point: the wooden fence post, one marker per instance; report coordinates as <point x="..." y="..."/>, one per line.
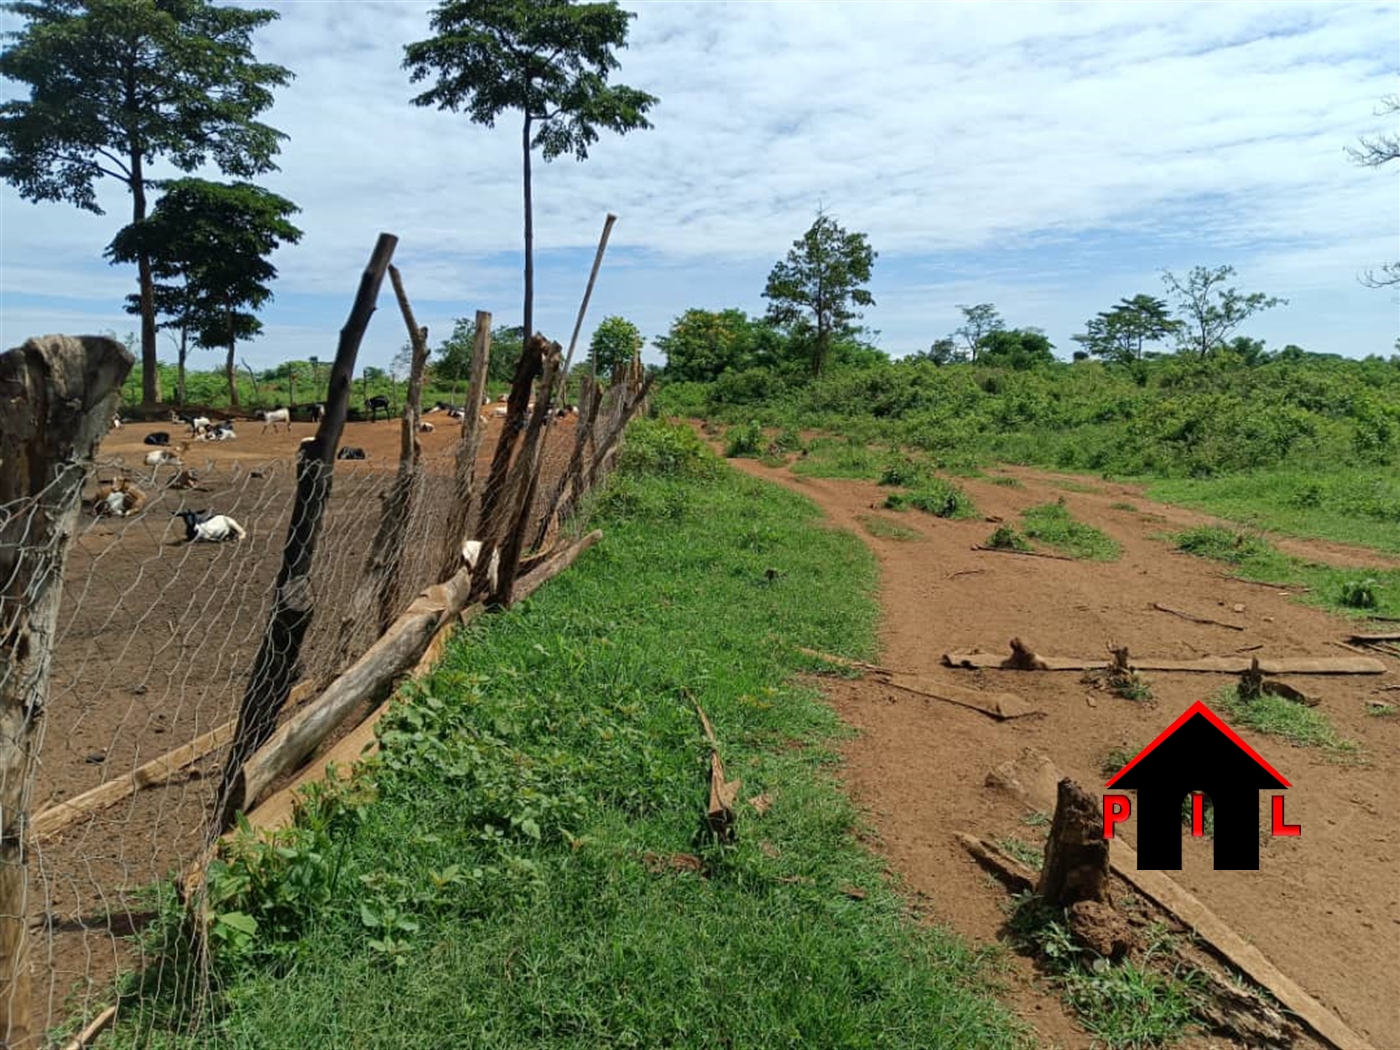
<point x="464" y="492"/>
<point x="57" y="397"/>
<point x="276" y="662"/>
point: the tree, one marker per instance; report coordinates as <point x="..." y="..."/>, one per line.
<point x="704" y="344"/>
<point x="1121" y="334"/>
<point x="941" y="352"/>
<point x="549" y="59"/>
<point x="813" y="290"/>
<point x="1211" y="312"/>
<point x="214" y="239"/>
<point x="454" y="363"/>
<point x="616" y="341"/>
<point x="979" y="322"/>
<point x="116" y="85"/>
<point x="1016" y="348"/>
<point x="1373" y="153"/>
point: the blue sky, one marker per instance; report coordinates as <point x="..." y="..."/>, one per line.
<point x="1050" y="158"/>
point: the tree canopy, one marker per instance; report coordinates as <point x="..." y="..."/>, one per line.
<point x="1121" y="334"/>
<point x="454" y="361"/>
<point x="1211" y="312"/>
<point x="702" y="345"/>
<point x="115" y="85"/>
<point x="547" y="59"/>
<point x="979" y="322"/>
<point x="615" y="342"/>
<point x="208" y="245"/>
<point x="814" y="291"/>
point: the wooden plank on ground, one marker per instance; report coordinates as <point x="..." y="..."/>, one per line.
<point x="1392" y="636"/>
<point x="999" y="705"/>
<point x="1030" y="788"/>
<point x="1212" y="664"/>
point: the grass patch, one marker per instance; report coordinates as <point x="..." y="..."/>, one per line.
<point x="1353" y="591"/>
<point x="1274" y="716"/>
<point x="1005" y="538"/>
<point x="1348" y="505"/>
<point x="1053" y="525"/>
<point x="941" y="498"/>
<point x="1076" y="486"/>
<point x="743" y="440"/>
<point x="1120" y="505"/>
<point x="883" y="528"/>
<point x="1007" y="482"/>
<point x="1380" y="709"/>
<point x="524" y="862"/>
<point x="829" y="457"/>
<point x="1115" y="759"/>
<point x="1031" y="856"/>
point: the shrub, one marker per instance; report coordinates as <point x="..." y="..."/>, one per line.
<point x="744" y="440"/>
<point x="940" y="498"/>
<point x="654" y="447"/>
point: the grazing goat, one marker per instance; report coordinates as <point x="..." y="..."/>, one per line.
<point x="351" y="452"/>
<point x="160" y="437"/>
<point x="200" y="525"/>
<point x="272" y="417"/>
<point x="318" y="412"/>
<point x="120" y="498"/>
<point x="375" y="405"/>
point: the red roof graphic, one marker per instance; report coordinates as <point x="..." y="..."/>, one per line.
<point x="1199" y="708"/>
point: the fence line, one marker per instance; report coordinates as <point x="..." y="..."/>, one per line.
<point x="135" y="766"/>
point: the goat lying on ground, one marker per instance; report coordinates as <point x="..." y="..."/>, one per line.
<point x="120" y="499"/>
<point x="159" y="437"/>
<point x="222" y="431"/>
<point x="272" y="417"/>
<point x="350" y="452"/>
<point x="425" y="428"/>
<point x="116" y="422"/>
<point x="200" y="525"/>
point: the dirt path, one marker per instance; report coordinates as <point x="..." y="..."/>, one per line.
<point x="1324" y="907"/>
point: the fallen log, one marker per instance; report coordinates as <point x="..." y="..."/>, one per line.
<point x="1028" y="785"/>
<point x="158" y="771"/>
<point x="1017" y="876"/>
<point x="1209" y="664"/>
<point x="1195" y="619"/>
<point x="553" y="566"/>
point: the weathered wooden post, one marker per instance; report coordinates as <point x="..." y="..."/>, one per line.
<point x="278" y="655"/>
<point x="1076" y="853"/>
<point x="464" y="492"/>
<point x="57" y="397"/>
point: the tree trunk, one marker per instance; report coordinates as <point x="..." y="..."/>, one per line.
<point x="180" y="368"/>
<point x="59" y="394"/>
<point x="229" y="369"/>
<point x="529" y="329"/>
<point x="1076" y="853"/>
<point x="150" y="376"/>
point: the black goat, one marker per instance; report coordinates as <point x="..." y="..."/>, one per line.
<point x="375" y="405"/>
<point x="351" y="452"/>
<point x="160" y="437"/>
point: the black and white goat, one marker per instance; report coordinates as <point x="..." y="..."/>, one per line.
<point x="375" y="405"/>
<point x="350" y="452"/>
<point x="201" y="526"/>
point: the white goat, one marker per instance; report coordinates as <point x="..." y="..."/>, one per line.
<point x="213" y="529"/>
<point x="271" y="417"/>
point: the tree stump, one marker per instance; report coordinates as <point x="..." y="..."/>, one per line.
<point x="1076" y="853"/>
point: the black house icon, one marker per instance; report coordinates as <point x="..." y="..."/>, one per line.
<point x="1198" y="752"/>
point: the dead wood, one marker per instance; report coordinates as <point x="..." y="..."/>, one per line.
<point x="1076" y="853"/>
<point x="464" y="475"/>
<point x="292" y="609"/>
<point x="94" y="1028"/>
<point x="1018" y="877"/>
<point x="978" y="660"/>
<point x="553" y="566"/>
<point x="1000" y="706"/>
<point x="719" y="814"/>
<point x="1023" y="658"/>
<point x="57" y="396"/>
<point x="1024" y="554"/>
<point x="1195" y="619"/>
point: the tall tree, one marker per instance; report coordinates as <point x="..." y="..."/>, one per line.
<point x="214" y="239"/>
<point x="454" y="361"/>
<point x="814" y="290"/>
<point x="1020" y="349"/>
<point x="615" y="341"/>
<point x="1373" y="153"/>
<point x="549" y="59"/>
<point x="1122" y="334"/>
<point x="1211" y="312"/>
<point x="979" y="322"/>
<point x="115" y="85"/>
<point x="704" y="344"/>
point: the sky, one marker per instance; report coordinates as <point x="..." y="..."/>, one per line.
<point x="1049" y="158"/>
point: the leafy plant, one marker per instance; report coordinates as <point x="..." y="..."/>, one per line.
<point x="745" y="440"/>
<point x="1004" y="537"/>
<point x="936" y="496"/>
<point x="1052" y="523"/>
<point x="1359" y="594"/>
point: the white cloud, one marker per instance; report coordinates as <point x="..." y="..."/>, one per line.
<point x="1059" y="155"/>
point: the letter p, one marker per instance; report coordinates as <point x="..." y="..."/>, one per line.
<point x="1116" y="808"/>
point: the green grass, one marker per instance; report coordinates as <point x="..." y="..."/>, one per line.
<point x="1381" y="709"/>
<point x="1122" y="506"/>
<point x="1007" y="481"/>
<point x="1352" y="505"/>
<point x="1075" y="486"/>
<point x="936" y="496"/>
<point x="1274" y="716"/>
<point x="497" y="876"/>
<point x="1356" y="592"/>
<point x="829" y="457"/>
<point x="1004" y="537"/>
<point x="1053" y="525"/>
<point x="883" y="528"/>
<point x="1029" y="855"/>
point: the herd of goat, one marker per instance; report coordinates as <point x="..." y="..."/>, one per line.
<point x="121" y="498"/>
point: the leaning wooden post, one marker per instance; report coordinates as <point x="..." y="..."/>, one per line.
<point x="561" y="500"/>
<point x="588" y="294"/>
<point x="57" y="397"/>
<point x="292" y="608"/>
<point x="464" y="491"/>
<point x="527" y="370"/>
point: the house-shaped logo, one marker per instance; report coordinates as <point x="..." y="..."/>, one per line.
<point x="1197" y="753"/>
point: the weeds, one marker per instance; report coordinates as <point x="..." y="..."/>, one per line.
<point x="1053" y="525"/>
<point x="938" y="497"/>
<point x="1275" y="716"/>
<point x="1004" y="537"/>
<point x="1031" y="856"/>
<point x="1007" y="481"/>
<point x="883" y="528"/>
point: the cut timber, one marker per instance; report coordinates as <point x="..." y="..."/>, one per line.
<point x="552" y="566"/>
<point x="1000" y="706"/>
<point x="1024" y="554"/>
<point x="1025" y="778"/>
<point x="1366" y="639"/>
<point x="1195" y="619"/>
<point x="1017" y="876"/>
<point x="154" y="773"/>
<point x="1213" y="664"/>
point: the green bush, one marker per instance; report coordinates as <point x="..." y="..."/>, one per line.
<point x="654" y="447"/>
<point x="744" y="440"/>
<point x="936" y="496"/>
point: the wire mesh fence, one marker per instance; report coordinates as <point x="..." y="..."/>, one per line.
<point x="159" y="632"/>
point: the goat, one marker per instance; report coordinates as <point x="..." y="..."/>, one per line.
<point x="425" y="428"/>
<point x="116" y="422"/>
<point x="499" y="410"/>
<point x="351" y="452"/>
<point x="120" y="499"/>
<point x="222" y="431"/>
<point x="183" y="479"/>
<point x="274" y="416"/>
<point x="200" y="525"/>
<point x="375" y="405"/>
<point x="199" y="424"/>
<point x="441" y="406"/>
<point x="318" y="412"/>
<point x="159" y="437"/>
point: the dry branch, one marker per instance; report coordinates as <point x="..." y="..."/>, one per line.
<point x="95" y="1027"/>
<point x="1195" y="619"/>
<point x="1018" y="877"/>
<point x="554" y="565"/>
<point x="1000" y="706"/>
<point x="1024" y="554"/>
<point x="57" y="396"/>
<point x="719" y="814"/>
<point x="588" y="294"/>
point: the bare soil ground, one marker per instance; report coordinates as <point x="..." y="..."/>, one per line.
<point x="156" y="640"/>
<point x="1324" y="907"/>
